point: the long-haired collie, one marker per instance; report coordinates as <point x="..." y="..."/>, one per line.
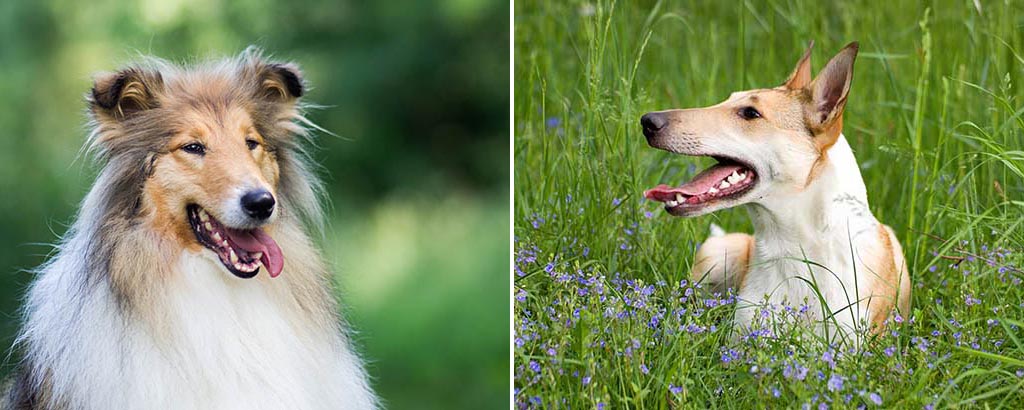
<point x="189" y="279"/>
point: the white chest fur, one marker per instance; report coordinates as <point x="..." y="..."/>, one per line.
<point x="211" y="341"/>
<point x="810" y="249"/>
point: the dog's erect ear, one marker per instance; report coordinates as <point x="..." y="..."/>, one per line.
<point x="830" y="88"/>
<point x="801" y="75"/>
<point x="126" y="92"/>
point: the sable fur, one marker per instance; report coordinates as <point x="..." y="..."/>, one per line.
<point x="129" y="313"/>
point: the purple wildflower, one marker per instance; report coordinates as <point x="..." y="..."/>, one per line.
<point x="827" y="358"/>
<point x="875" y="398"/>
<point x="835" y="383"/>
<point x="728" y="355"/>
<point x="794" y="371"/>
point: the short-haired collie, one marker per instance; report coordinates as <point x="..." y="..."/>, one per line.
<point x="781" y="152"/>
<point x="189" y="279"/>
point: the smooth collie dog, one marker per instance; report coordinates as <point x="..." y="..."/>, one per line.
<point x="781" y="151"/>
<point x="189" y="279"/>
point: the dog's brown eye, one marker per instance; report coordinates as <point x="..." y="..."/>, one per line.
<point x="195" y="148"/>
<point x="252" y="144"/>
<point x="749" y="113"/>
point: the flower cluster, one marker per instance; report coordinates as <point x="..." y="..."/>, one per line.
<point x="598" y="325"/>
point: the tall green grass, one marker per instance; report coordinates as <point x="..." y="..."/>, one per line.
<point x="935" y="117"/>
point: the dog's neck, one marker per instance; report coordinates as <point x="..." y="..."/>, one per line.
<point x="832" y="208"/>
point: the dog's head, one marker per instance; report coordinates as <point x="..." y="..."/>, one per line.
<point x="205" y="142"/>
<point x="767" y="141"/>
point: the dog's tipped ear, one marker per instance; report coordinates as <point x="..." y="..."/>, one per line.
<point x="277" y="82"/>
<point x="119" y="95"/>
<point x="830" y="88"/>
<point x="801" y="75"/>
<point x="282" y="82"/>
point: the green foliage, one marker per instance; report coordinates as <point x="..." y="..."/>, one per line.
<point x="417" y="92"/>
<point x="602" y="312"/>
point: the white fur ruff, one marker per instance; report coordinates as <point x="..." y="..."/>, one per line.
<point x="226" y="343"/>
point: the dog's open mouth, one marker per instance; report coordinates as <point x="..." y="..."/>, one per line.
<point x="242" y="251"/>
<point x="728" y="179"/>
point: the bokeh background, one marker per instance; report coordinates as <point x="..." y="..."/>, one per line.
<point x="417" y="92"/>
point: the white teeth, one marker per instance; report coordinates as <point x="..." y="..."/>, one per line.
<point x="224" y="243"/>
<point x="257" y="255"/>
<point x="734" y="178"/>
<point x="234" y="258"/>
<point x="724" y="185"/>
<point x="671" y="203"/>
<point x="216" y="237"/>
<point x="208" y="226"/>
<point x="679" y="197"/>
<point x="245" y="267"/>
<point x="713" y="190"/>
<point x="203" y="216"/>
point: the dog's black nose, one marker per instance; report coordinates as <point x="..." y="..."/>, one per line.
<point x="653" y="122"/>
<point x="258" y="204"/>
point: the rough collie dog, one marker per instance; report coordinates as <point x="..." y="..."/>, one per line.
<point x="189" y="280"/>
<point x="781" y="152"/>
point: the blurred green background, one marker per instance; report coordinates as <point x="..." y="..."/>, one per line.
<point x="417" y="92"/>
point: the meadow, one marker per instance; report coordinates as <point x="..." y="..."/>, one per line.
<point x="605" y="315"/>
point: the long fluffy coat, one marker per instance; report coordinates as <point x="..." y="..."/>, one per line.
<point x="124" y="316"/>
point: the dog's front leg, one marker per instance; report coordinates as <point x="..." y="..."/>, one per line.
<point x="723" y="260"/>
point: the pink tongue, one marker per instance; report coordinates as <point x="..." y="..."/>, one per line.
<point x="256" y="240"/>
<point x="698" y="185"/>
